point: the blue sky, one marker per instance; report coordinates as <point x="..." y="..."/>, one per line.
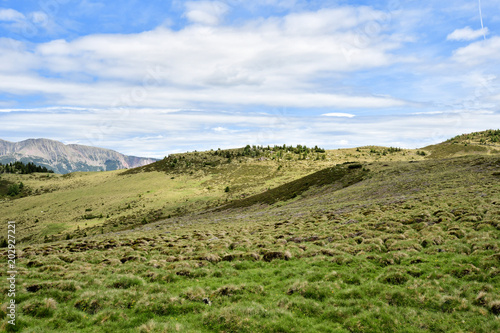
<point x="150" y="78"/>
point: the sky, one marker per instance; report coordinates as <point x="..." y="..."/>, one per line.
<point x="151" y="78"/>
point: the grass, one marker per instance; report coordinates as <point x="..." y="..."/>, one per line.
<point x="121" y="200"/>
<point x="408" y="247"/>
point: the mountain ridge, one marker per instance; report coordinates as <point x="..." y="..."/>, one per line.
<point x="68" y="158"/>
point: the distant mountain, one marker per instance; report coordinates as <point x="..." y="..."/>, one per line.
<point x="67" y="158"/>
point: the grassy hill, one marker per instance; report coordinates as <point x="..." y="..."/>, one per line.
<point x="78" y="204"/>
<point x="397" y="241"/>
<point x="477" y="143"/>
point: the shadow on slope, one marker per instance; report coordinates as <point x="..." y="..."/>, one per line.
<point x="341" y="175"/>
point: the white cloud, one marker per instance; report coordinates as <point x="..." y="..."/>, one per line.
<point x="15" y="58"/>
<point x="272" y="62"/>
<point x="479" y="52"/>
<point x="326" y="21"/>
<point x="116" y="95"/>
<point x="11" y="15"/>
<point x="339" y="114"/>
<point x="206" y="12"/>
<point x="467" y="34"/>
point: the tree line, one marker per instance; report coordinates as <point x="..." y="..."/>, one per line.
<point x="21" y="168"/>
<point x="257" y="151"/>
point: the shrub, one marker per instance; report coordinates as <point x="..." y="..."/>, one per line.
<point x="13" y="190"/>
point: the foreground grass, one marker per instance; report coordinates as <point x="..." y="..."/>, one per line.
<point x="411" y="248"/>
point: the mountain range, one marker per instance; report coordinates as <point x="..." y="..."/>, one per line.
<point x="67" y="158"/>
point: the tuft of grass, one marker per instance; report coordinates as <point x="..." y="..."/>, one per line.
<point x="126" y="282"/>
<point x="40" y="308"/>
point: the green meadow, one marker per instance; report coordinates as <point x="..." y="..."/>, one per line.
<point x="370" y="239"/>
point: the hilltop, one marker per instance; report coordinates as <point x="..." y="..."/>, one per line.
<point x="67" y="158"/>
<point x="369" y="239"/>
<point x="485" y="142"/>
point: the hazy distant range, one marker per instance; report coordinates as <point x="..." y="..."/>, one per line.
<point x="67" y="158"/>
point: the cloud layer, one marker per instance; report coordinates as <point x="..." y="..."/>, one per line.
<point x="273" y="62"/>
<point x="157" y="132"/>
<point x="227" y="73"/>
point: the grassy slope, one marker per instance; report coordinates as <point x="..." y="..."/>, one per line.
<point x="126" y="199"/>
<point x="340" y="175"/>
<point x="477" y="143"/>
<point x="413" y="247"/>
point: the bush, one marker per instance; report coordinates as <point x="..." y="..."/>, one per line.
<point x="13" y="190"/>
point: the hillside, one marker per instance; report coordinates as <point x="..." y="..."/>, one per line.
<point x="67" y="158"/>
<point x="61" y="206"/>
<point x="371" y="239"/>
<point x="478" y="143"/>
